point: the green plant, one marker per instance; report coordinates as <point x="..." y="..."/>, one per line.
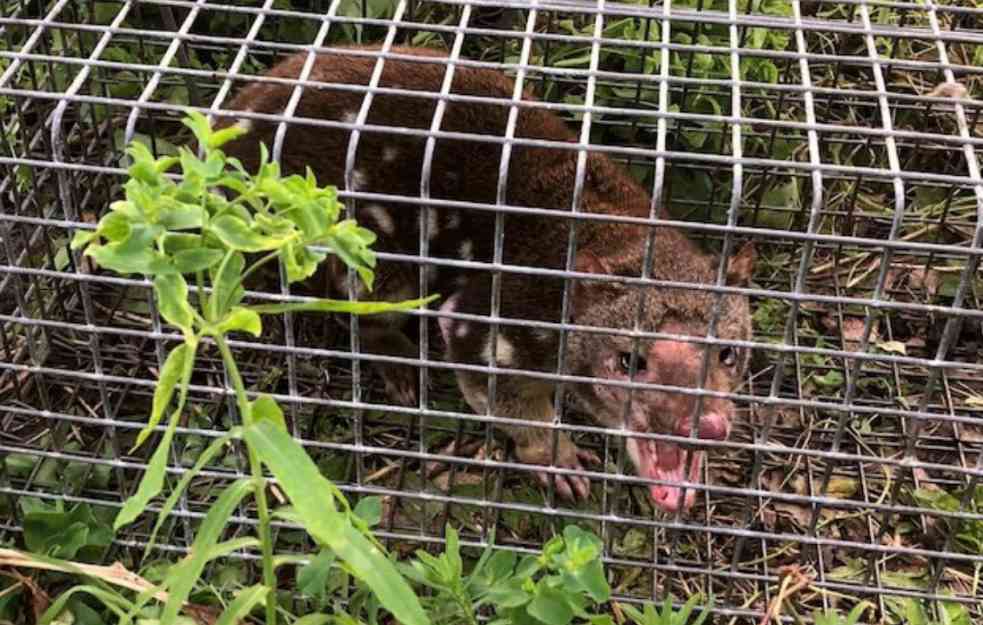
<point x="834" y="618"/>
<point x="565" y="582"/>
<point x="166" y="230"/>
<point x="651" y="616"/>
<point x="967" y="532"/>
<point x="950" y="613"/>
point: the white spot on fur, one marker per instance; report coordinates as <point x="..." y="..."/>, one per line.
<point x="454" y="221"/>
<point x="349" y="117"/>
<point x="466" y="251"/>
<point x="462" y="330"/>
<point x="382" y="218"/>
<point x="245" y="123"/>
<point x="359" y="180"/>
<point x="504" y="352"/>
<point x="389" y="154"/>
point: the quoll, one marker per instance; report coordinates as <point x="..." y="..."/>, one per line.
<point x="541" y="177"/>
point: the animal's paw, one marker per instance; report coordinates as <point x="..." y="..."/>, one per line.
<point x="568" y="456"/>
<point x="401" y="381"/>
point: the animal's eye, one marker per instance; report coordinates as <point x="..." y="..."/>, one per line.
<point x="728" y="356"/>
<point x="624" y="361"/>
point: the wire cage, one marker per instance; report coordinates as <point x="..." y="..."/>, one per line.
<point x="843" y="137"/>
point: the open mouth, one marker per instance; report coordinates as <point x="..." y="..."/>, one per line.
<point x="667" y="462"/>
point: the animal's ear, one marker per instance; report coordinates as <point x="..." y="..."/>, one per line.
<point x="583" y="293"/>
<point x="741" y="266"/>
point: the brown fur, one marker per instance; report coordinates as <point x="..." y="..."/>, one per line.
<point x="538" y="177"/>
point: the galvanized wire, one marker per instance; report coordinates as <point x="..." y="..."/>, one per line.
<point x="872" y="273"/>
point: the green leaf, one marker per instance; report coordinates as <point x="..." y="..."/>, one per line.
<point x="115" y="227"/>
<point x="314" y="619"/>
<point x="343" y="306"/>
<point x="112" y="600"/>
<point x="176" y="215"/>
<point x="170" y="374"/>
<point x="199" y="125"/>
<point x="172" y="299"/>
<point x="351" y="243"/>
<point x="242" y="605"/>
<point x="182" y="577"/>
<point x="369" y="509"/>
<point x="241" y="320"/>
<point x="134" y="255"/>
<point x="312" y="579"/>
<point x="310" y="494"/>
<point x="143" y="168"/>
<point x="237" y="235"/>
<point x="226" y="284"/>
<point x="204" y="458"/>
<point x="83" y="238"/>
<point x="219" y="138"/>
<point x="51" y="531"/>
<point x="453" y="553"/>
<point x="197" y="259"/>
<point x="153" y="479"/>
<point x="265" y="408"/>
<point x="550" y="606"/>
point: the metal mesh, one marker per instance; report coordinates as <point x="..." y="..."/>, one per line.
<point x="831" y="133"/>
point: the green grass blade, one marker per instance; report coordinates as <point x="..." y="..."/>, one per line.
<point x="182" y="577"/>
<point x="153" y="479"/>
<point x="203" y="459"/>
<point x="111" y="600"/>
<point x="308" y="490"/>
<point x="244" y="602"/>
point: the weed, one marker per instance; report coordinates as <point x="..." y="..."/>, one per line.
<point x="166" y="230"/>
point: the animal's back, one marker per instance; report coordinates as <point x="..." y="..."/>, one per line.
<point x="392" y="163"/>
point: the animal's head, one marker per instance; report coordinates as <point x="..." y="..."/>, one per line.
<point x="670" y="362"/>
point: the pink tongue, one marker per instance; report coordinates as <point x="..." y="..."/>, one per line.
<point x="668" y="466"/>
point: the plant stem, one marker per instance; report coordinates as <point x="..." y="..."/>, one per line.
<point x="265" y="535"/>
<point x="259" y="263"/>
<point x="466" y="606"/>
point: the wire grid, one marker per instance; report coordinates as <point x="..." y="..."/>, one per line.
<point x="841" y="147"/>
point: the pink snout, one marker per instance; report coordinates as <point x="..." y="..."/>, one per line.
<point x="713" y="426"/>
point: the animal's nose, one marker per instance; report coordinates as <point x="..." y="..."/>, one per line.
<point x="712" y="426"/>
<point x="674" y="362"/>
